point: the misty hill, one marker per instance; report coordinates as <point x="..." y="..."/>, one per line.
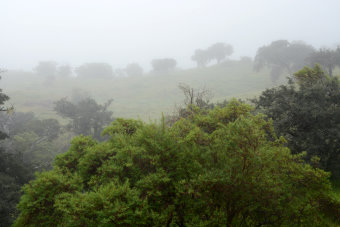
<point x="144" y="96"/>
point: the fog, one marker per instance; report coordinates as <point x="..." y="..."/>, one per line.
<point x="122" y="32"/>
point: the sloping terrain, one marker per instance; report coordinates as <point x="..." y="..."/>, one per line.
<point x="143" y="97"/>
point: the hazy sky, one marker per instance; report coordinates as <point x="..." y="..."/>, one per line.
<point x="126" y="31"/>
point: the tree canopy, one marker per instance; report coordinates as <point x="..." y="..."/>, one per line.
<point x="217" y="51"/>
<point x="282" y="56"/>
<point x="87" y="116"/>
<point x="220" y="167"/>
<point x="306" y="112"/>
<point x="327" y="58"/>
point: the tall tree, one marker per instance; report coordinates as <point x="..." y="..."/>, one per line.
<point x="219" y="51"/>
<point x="282" y="56"/>
<point x="201" y="57"/>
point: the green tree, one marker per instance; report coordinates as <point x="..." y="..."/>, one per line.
<point x="87" y="116"/>
<point x="306" y="112"/>
<point x="220" y="167"/>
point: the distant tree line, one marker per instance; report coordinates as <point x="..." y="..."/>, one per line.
<point x="280" y="56"/>
<point x="283" y="56"/>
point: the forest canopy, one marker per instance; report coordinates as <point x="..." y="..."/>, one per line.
<point x="216" y="167"/>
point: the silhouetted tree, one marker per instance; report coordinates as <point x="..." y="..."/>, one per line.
<point x="327" y="58"/>
<point x="281" y="56"/>
<point x="87" y="117"/>
<point x="95" y="71"/>
<point x="201" y="57"/>
<point x="219" y="51"/>
<point x="163" y="65"/>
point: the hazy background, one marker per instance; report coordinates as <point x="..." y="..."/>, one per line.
<point x="121" y="32"/>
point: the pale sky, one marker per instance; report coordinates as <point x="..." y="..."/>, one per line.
<point x="126" y="31"/>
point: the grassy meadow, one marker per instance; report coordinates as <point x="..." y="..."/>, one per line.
<point x="144" y="97"/>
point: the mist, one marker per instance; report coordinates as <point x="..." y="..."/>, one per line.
<point x="123" y="32"/>
<point x="169" y="113"/>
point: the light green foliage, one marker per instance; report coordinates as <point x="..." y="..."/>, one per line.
<point x="220" y="167"/>
<point x="309" y="76"/>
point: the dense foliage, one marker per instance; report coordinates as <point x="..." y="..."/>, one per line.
<point x="215" y="167"/>
<point x="307" y="113"/>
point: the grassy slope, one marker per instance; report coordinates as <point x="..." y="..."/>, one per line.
<point x="144" y="97"/>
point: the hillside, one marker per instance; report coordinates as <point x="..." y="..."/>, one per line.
<point x="142" y="97"/>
